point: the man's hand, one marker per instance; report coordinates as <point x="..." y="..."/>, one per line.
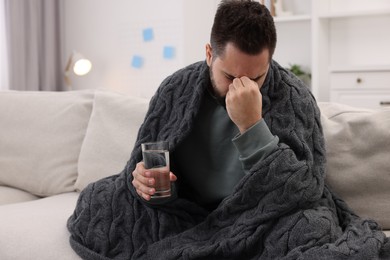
<point x="144" y="182"/>
<point x="244" y="103"/>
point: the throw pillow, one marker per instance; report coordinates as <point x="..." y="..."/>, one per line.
<point x="358" y="158"/>
<point x="110" y="137"/>
<point x="40" y="139"/>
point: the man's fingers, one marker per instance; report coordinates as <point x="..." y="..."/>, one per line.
<point x="245" y="81"/>
<point x="143" y="195"/>
<point x="142" y="182"/>
<point x="237" y="83"/>
<point x="140" y="187"/>
<point x="145" y="180"/>
<point x="172" y="177"/>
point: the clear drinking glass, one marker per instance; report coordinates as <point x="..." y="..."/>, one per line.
<point x="156" y="159"/>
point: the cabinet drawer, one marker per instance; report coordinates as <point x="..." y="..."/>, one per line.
<point x="365" y="99"/>
<point x="360" y="80"/>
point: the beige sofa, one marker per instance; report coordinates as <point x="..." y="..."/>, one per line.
<point x="52" y="144"/>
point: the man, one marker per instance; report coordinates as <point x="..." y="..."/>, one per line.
<point x="248" y="165"/>
<point x="239" y="57"/>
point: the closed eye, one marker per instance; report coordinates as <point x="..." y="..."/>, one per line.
<point x="258" y="78"/>
<point x="229" y="77"/>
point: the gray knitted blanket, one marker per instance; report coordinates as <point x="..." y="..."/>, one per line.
<point x="281" y="210"/>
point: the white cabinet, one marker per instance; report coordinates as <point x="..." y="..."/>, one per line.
<point x="362" y="98"/>
<point x="367" y="88"/>
<point x="360" y="80"/>
<point x="345" y="44"/>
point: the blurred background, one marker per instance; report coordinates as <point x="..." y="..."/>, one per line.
<point x="340" y="48"/>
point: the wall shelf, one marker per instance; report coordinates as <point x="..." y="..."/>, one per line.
<point x="351" y="14"/>
<point x="372" y="68"/>
<point x="292" y="18"/>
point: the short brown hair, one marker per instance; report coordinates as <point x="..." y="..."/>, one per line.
<point x="245" y="23"/>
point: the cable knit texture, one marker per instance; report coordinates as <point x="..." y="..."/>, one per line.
<point x="281" y="210"/>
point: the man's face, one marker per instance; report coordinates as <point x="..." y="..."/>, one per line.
<point x="234" y="63"/>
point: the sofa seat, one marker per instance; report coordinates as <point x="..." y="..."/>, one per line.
<point x="11" y="195"/>
<point x="43" y="222"/>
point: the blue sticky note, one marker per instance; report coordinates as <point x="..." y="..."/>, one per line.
<point x="137" y="62"/>
<point x="148" y="34"/>
<point x="169" y="52"/>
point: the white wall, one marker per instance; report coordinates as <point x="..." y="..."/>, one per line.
<point x="199" y="17"/>
<point x="110" y="33"/>
<point x="293" y="47"/>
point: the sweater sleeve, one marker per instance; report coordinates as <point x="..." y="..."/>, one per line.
<point x="255" y="144"/>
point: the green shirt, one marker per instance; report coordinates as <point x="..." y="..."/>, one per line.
<point x="214" y="156"/>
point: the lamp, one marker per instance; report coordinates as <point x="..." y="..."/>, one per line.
<point x="80" y="66"/>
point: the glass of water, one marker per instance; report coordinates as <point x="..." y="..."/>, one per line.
<point x="156" y="160"/>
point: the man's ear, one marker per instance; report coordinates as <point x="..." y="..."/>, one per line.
<point x="209" y="54"/>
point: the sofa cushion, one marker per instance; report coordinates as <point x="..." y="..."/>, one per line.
<point x="110" y="137"/>
<point x="37" y="229"/>
<point x="40" y="139"/>
<point x="358" y="154"/>
<point x="10" y="195"/>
